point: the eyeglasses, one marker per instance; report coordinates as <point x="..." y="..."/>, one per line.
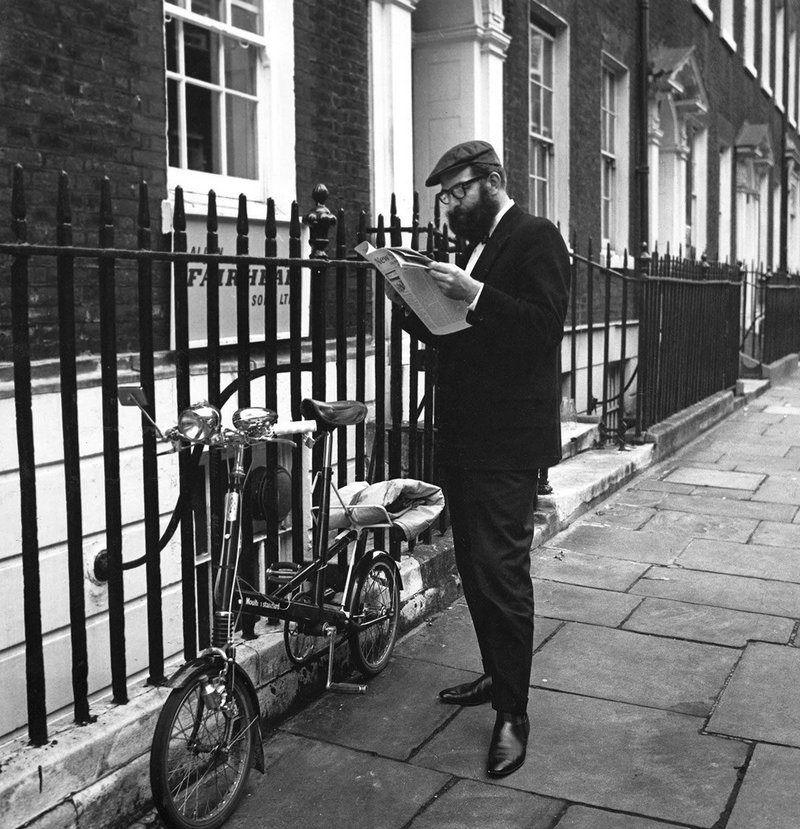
<point x="457" y="191"/>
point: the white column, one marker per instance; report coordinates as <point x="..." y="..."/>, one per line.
<point x="390" y="102"/>
<point x="458" y="82"/>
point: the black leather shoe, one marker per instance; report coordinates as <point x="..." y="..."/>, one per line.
<point x="470" y="693"/>
<point x="509" y="743"/>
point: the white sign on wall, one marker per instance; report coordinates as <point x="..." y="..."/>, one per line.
<point x="197" y="285"/>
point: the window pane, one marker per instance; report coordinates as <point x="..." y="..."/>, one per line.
<point x="202" y="138"/>
<point x="547" y="63"/>
<point x="536" y="109"/>
<point x="173" y="125"/>
<point x="172" y="46"/>
<point x="246" y="16"/>
<point x="242" y="137"/>
<point x="240" y="66"/>
<point x="200" y="52"/>
<point x="547" y="112"/>
<point x="215" y="9"/>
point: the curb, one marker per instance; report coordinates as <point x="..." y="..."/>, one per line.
<point x="98" y="775"/>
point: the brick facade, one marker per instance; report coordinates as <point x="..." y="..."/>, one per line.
<point x="83" y="92"/>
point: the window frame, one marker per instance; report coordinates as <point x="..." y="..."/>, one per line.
<point x="749" y="31"/>
<point x="727" y="23"/>
<point x="766" y="60"/>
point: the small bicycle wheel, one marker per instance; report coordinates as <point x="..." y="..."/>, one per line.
<point x="301" y="647"/>
<point x="374" y="613"/>
<point x="202" y="754"/>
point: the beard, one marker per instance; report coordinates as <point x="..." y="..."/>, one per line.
<point x="474" y="223"/>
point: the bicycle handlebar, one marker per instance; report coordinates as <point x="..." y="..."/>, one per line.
<point x="294" y="427"/>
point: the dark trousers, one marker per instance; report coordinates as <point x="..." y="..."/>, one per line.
<point x="491" y="512"/>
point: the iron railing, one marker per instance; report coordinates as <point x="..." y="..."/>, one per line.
<point x="645" y="337"/>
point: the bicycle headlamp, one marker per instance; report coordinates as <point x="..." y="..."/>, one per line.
<point x="254" y="420"/>
<point x="199" y="421"/>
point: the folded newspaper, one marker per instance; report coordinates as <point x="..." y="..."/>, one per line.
<point x="406" y="270"/>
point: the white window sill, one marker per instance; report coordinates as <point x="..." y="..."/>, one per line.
<point x="750" y="69"/>
<point x="727" y="39"/>
<point x="703" y="7"/>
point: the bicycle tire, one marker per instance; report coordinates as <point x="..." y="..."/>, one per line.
<point x="374" y="613"/>
<point x="198" y="765"/>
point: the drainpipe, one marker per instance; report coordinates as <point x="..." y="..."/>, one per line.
<point x="783" y="242"/>
<point x="642" y="166"/>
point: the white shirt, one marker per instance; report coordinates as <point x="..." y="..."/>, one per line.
<point x="478" y="250"/>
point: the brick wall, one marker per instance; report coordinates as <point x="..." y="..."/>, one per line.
<point x="332" y="103"/>
<point x="82" y="91"/>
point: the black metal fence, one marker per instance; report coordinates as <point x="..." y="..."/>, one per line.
<point x="683" y="323"/>
<point x="689" y="334"/>
<point x="770" y="314"/>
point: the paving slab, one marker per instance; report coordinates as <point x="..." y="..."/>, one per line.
<point x="616" y="513"/>
<point x="571" y="602"/>
<point x="778" y="534"/>
<point x="632" y="667"/>
<point x="784" y="489"/>
<point x="470" y="803"/>
<point x="714" y="477"/>
<point x="785" y="410"/>
<point x="656" y="485"/>
<point x="686" y="525"/>
<point x="768" y="796"/>
<point x="757" y="560"/>
<point x="639" y="497"/>
<point x="406" y="692"/>
<point x="765" y="465"/>
<point x="724" y="494"/>
<point x="310" y="784"/>
<point x="581" y="568"/>
<point x="762" y="699"/>
<point x="584" y="817"/>
<point x="603" y="754"/>
<point x="772" y="598"/>
<point x="701" y="623"/>
<point x="632" y="545"/>
<point x="449" y="639"/>
<point x="705" y="504"/>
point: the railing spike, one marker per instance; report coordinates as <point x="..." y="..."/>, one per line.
<point x="63" y="209"/>
<point x="18" y="209"/>
<point x="106" y="209"/>
<point x="179" y="214"/>
<point x="212" y="224"/>
<point x="143" y="217"/>
<point x="242" y="223"/>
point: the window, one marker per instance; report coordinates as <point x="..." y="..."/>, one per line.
<point x="766" y="45"/>
<point x="726" y="22"/>
<point x="608" y="154"/>
<point x="214" y="55"/>
<point x="750" y="35"/>
<point x="231" y="101"/>
<point x="540" y="172"/>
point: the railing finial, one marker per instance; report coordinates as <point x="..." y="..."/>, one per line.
<point x="319" y="220"/>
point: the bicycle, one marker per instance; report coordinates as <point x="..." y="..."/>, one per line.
<point x="208" y="734"/>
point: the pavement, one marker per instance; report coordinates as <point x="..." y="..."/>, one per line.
<point x="665" y="687"/>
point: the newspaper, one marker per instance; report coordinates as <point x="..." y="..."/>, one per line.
<point x="406" y="270"/>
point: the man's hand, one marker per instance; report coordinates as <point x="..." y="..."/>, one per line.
<point x="453" y="282"/>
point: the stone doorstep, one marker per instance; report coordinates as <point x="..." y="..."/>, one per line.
<point x="99" y="769"/>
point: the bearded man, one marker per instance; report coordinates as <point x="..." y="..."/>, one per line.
<point x="497" y="404"/>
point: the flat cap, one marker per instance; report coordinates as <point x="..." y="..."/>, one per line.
<point x="470" y="152"/>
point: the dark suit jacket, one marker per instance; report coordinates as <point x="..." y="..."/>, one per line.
<point x="498" y="388"/>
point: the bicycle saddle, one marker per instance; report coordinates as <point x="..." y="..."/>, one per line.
<point x="331" y="415"/>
